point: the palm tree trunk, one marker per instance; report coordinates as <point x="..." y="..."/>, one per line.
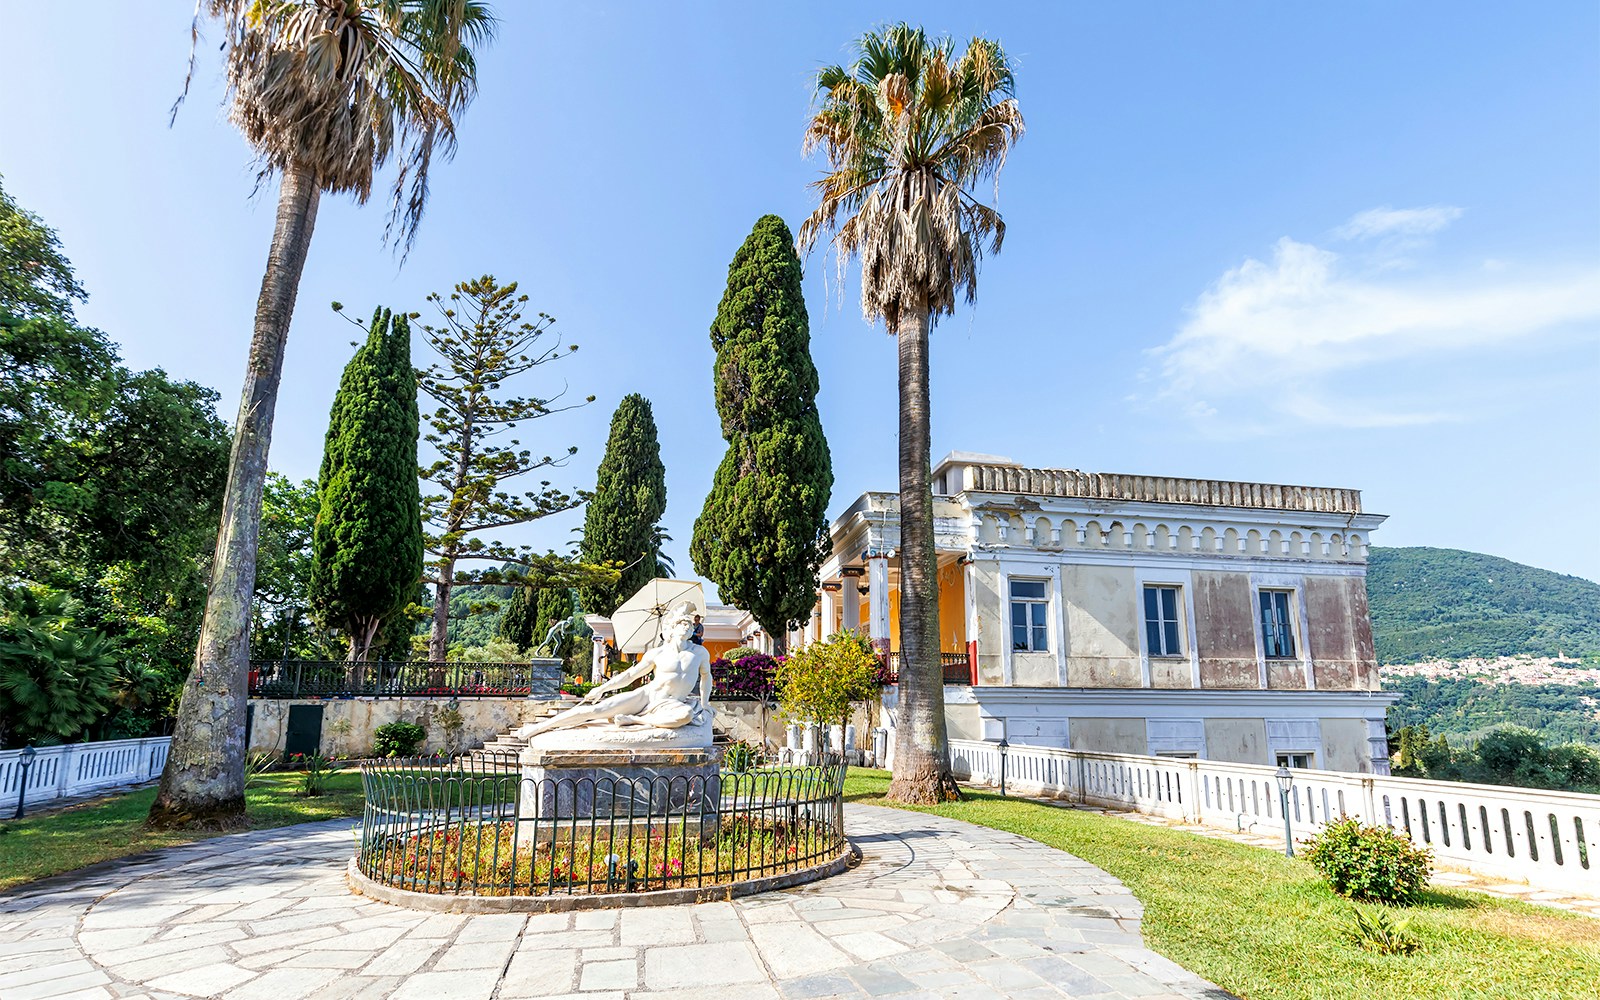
<point x="921" y="747"/>
<point x="203" y="782"/>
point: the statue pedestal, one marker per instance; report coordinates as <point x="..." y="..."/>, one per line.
<point x="618" y="788"/>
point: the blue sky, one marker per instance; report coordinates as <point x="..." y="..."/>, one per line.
<point x="1353" y="245"/>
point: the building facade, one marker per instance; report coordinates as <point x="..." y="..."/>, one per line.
<point x="1134" y="614"/>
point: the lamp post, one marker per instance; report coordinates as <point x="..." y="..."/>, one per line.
<point x="24" y="761"/>
<point x="1003" y="745"/>
<point x="1285" y="782"/>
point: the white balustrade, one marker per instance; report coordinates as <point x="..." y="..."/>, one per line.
<point x="1544" y="838"/>
<point x="62" y="771"/>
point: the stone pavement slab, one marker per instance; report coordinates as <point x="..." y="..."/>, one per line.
<point x="938" y="908"/>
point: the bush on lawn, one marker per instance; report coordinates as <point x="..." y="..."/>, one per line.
<point x="397" y="739"/>
<point x="1369" y="864"/>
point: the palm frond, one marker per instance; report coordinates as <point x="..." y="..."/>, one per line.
<point x="345" y="87"/>
<point x="908" y="130"/>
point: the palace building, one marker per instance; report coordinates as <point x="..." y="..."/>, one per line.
<point x="1133" y="614"/>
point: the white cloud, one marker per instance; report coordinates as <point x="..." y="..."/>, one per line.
<point x="1303" y="338"/>
<point x="1404" y="222"/>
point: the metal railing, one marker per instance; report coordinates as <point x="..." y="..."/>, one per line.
<point x="957" y="668"/>
<point x="475" y="827"/>
<point x="1546" y="838"/>
<point x="407" y="679"/>
<point x="61" y="771"/>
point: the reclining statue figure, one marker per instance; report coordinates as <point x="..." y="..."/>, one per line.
<point x="679" y="694"/>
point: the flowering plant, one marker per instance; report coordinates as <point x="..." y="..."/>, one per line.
<point x="747" y="678"/>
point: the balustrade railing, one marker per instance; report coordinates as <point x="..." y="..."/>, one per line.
<point x="957" y="668"/>
<point x="408" y="679"/>
<point x="1545" y="838"/>
<point x="76" y="768"/>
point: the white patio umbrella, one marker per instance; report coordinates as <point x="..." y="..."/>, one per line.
<point x="638" y="620"/>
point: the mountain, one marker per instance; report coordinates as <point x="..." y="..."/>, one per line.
<point x="1432" y="604"/>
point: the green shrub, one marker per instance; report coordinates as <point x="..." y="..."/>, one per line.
<point x="1369" y="864"/>
<point x="577" y="686"/>
<point x="397" y="739"/>
<point x="738" y="653"/>
<point x="740" y="758"/>
<point x="315" y="771"/>
<point x="1377" y="931"/>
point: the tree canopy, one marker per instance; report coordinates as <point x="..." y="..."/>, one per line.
<point x="621" y="525"/>
<point x="483" y="342"/>
<point x="763" y="532"/>
<point x="110" y="481"/>
<point x="36" y="278"/>
<point x="367" y="542"/>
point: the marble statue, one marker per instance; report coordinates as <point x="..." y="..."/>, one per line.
<point x="554" y="637"/>
<point x="672" y="710"/>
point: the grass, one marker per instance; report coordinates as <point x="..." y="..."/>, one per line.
<point x="1267" y="927"/>
<point x="113" y="827"/>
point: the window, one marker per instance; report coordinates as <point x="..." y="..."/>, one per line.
<point x="1029" y="603"/>
<point x="1277" y="630"/>
<point x="1161" y="621"/>
<point x="1297" y="761"/>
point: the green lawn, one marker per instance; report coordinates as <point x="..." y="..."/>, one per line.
<point x="1267" y="928"/>
<point x="114" y="827"/>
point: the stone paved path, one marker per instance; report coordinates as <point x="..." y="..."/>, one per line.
<point x="938" y="908"/>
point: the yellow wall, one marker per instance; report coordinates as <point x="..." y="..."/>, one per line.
<point x="952" y="612"/>
<point x="894" y="618"/>
<point x="952" y="609"/>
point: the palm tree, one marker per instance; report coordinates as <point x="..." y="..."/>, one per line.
<point x="909" y="129"/>
<point x="327" y="92"/>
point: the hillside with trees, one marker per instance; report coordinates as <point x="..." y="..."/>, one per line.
<point x="1432" y="604"/>
<point x="1484" y="630"/>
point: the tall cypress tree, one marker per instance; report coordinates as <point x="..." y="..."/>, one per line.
<point x="530" y="613"/>
<point x="517" y="624"/>
<point x="764" y="531"/>
<point x="630" y="495"/>
<point x="366" y="546"/>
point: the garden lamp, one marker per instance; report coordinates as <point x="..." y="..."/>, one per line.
<point x="1285" y="783"/>
<point x="24" y="761"/>
<point x="1003" y="745"/>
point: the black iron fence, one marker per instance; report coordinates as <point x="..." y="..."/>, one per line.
<point x="474" y="827"/>
<point x="957" y="668"/>
<point x="396" y="679"/>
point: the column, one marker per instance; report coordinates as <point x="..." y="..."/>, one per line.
<point x="969" y="589"/>
<point x="597" y="664"/>
<point x="878" y="596"/>
<point x="851" y="596"/>
<point x="830" y="613"/>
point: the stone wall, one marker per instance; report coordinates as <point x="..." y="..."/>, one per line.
<point x="482" y="718"/>
<point x="750" y="721"/>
